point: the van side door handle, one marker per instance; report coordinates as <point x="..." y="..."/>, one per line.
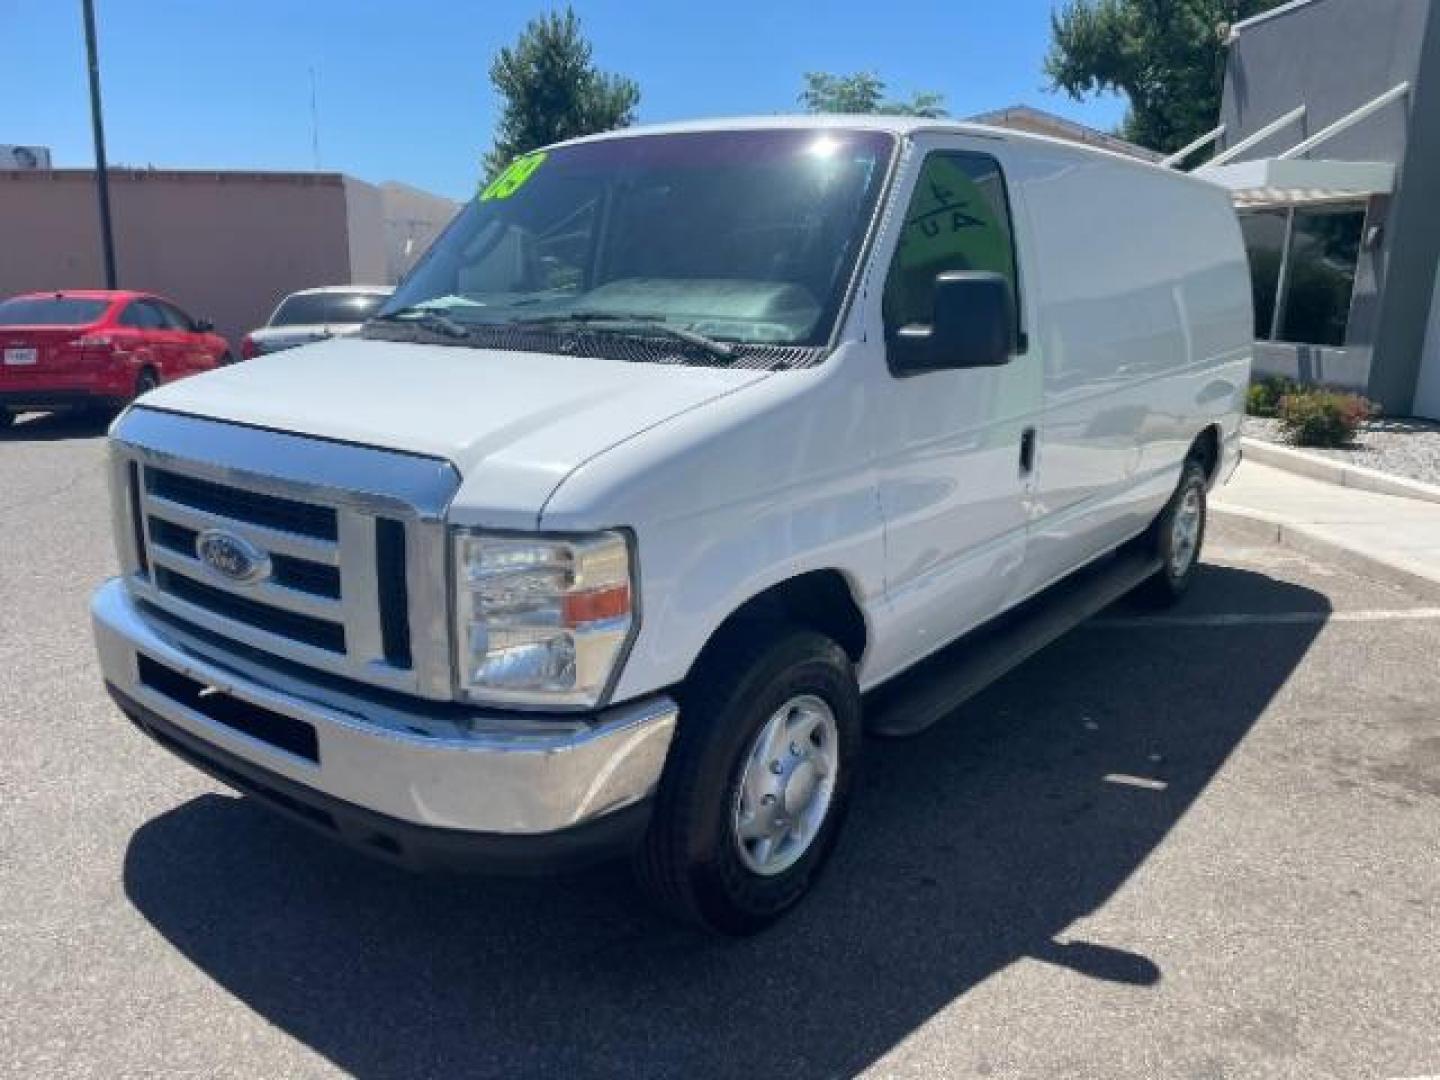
<point x="1027" y="451"/>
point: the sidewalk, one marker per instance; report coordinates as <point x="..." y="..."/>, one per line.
<point x="1383" y="535"/>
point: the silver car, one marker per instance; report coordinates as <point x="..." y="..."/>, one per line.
<point x="314" y="315"/>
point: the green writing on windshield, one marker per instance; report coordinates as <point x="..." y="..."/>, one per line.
<point x="513" y="178"/>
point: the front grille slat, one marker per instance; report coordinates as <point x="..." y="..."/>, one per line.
<point x="302" y="575"/>
<point x="307" y="629"/>
<point x="390" y="570"/>
<point x="241" y="504"/>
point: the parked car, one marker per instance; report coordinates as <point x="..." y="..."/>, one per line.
<point x="96" y="349"/>
<point x="314" y="315"/>
<point x="660" y="480"/>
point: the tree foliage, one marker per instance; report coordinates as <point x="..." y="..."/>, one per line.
<point x="863" y="92"/>
<point x="552" y="91"/>
<point x="1166" y="56"/>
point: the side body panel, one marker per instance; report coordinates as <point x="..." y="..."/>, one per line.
<point x="1144" y="335"/>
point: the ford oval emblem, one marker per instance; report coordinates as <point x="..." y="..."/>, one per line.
<point x="232" y="557"/>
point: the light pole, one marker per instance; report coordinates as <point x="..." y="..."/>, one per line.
<point x="102" y="177"/>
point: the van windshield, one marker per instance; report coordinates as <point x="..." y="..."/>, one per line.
<point x="745" y="237"/>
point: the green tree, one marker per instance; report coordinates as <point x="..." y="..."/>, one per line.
<point x="1166" y="56"/>
<point x="552" y="91"/>
<point x="863" y="92"/>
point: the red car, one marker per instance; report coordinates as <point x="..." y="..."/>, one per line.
<point x="97" y="349"/>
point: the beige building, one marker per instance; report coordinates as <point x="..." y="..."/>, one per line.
<point x="224" y="245"/>
<point x="1040" y="122"/>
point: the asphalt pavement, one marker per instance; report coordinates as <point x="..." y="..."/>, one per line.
<point x="1201" y="846"/>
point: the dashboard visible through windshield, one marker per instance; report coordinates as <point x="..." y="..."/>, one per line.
<point x="726" y="237"/>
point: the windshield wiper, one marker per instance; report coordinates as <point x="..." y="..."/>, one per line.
<point x="426" y="318"/>
<point x="643" y="324"/>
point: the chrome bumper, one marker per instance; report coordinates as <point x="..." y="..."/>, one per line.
<point x="423" y="763"/>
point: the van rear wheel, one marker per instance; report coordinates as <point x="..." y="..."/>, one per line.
<point x="757" y="782"/>
<point x="1176" y="537"/>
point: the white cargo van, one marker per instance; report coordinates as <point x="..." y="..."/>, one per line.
<point x="686" y="455"/>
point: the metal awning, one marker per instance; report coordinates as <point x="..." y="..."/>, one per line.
<point x="1299" y="181"/>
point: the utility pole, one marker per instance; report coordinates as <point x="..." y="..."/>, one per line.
<point x="102" y="176"/>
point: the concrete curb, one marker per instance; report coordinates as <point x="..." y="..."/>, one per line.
<point x="1255" y="527"/>
<point x="1336" y="472"/>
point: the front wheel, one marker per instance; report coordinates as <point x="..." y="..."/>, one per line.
<point x="757" y="782"/>
<point x="1176" y="537"/>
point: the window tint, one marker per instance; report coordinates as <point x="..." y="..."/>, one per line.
<point x="1324" y="248"/>
<point x="1264" y="232"/>
<point x="958" y="219"/>
<point x="142" y="316"/>
<point x="746" y="236"/>
<point x="51" y="311"/>
<point x="338" y="307"/>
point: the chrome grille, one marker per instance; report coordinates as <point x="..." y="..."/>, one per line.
<point x="356" y="575"/>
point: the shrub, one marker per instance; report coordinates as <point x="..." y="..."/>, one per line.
<point x="1318" y="417"/>
<point x="1263" y="396"/>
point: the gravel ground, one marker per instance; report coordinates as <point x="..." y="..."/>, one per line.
<point x="1409" y="448"/>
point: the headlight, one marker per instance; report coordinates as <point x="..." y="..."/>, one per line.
<point x="541" y="621"/>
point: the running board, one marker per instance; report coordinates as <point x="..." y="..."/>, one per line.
<point x="940" y="684"/>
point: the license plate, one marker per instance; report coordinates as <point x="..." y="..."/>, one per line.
<point x="20" y="357"/>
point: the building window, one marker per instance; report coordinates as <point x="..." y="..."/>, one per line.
<point x="1303" y="295"/>
<point x="1264" y="232"/>
<point x="1324" y="248"/>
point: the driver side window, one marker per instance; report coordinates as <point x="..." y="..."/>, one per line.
<point x="958" y="219"/>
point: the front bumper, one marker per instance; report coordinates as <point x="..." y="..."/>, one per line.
<point x="419" y="781"/>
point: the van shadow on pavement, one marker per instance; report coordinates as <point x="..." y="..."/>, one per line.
<point x="56" y="426"/>
<point x="968" y="848"/>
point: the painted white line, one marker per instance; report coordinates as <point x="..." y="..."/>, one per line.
<point x="1135" y="781"/>
<point x="1277" y="618"/>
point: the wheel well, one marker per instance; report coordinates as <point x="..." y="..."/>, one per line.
<point x="1206" y="450"/>
<point x="820" y="600"/>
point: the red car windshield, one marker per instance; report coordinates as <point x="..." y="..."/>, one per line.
<point x="51" y="311"/>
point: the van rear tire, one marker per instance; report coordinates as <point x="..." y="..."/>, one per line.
<point x="757" y="781"/>
<point x="1177" y="537"/>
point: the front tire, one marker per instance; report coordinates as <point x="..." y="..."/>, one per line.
<point x="757" y="782"/>
<point x="1177" y="537"/>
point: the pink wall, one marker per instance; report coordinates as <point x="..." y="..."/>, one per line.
<point x="224" y="246"/>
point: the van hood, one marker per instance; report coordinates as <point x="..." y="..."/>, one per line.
<point x="515" y="424"/>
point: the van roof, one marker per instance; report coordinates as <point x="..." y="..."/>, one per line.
<point x="896" y="125"/>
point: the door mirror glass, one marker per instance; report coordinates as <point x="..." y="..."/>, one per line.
<point x="972" y="326"/>
<point x="203" y="326"/>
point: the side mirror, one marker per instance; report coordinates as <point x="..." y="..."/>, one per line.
<point x="973" y="326"/>
<point x="203" y="326"/>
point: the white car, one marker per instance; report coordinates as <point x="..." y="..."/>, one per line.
<point x="313" y="315"/>
<point x="676" y="443"/>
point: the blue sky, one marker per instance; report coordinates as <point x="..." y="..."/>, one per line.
<point x="403" y="91"/>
